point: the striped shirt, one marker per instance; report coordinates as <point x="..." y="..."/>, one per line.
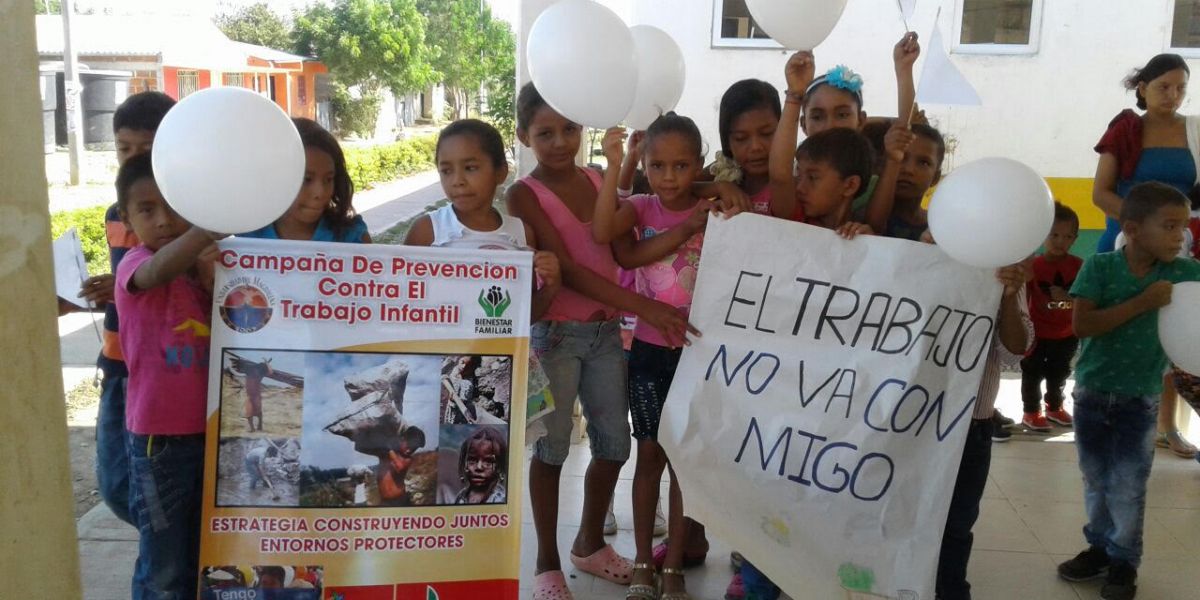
<point x="120" y="240"/>
<point x="998" y="358"/>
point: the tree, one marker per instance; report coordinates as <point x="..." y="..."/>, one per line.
<point x="373" y="44"/>
<point x="468" y="47"/>
<point x="47" y="7"/>
<point x="256" y="24"/>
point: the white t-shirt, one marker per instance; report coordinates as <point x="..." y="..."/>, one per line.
<point x="448" y="232"/>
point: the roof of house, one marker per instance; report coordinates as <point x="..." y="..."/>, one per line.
<point x="178" y="41"/>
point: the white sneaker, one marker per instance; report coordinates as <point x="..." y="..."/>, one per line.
<point x="660" y="521"/>
<point x="610" y="521"/>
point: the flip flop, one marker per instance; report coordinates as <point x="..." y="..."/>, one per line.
<point x="645" y="591"/>
<point x="551" y="585"/>
<point x="606" y="564"/>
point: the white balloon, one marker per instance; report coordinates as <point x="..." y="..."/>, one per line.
<point x="661" y="74"/>
<point x="991" y="212"/>
<point x="797" y="24"/>
<point x="1179" y="327"/>
<point x="581" y="60"/>
<point x="228" y="160"/>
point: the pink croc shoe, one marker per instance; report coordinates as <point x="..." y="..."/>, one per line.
<point x="551" y="585"/>
<point x="606" y="564"/>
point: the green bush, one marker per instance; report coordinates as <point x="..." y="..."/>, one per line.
<point x="89" y="222"/>
<point x="374" y="164"/>
<point x="355" y="115"/>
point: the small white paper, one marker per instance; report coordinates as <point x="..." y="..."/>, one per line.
<point x="941" y="81"/>
<point x="70" y="268"/>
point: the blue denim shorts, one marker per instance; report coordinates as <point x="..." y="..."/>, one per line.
<point x="583" y="360"/>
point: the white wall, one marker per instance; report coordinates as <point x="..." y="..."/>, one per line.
<point x="1047" y="109"/>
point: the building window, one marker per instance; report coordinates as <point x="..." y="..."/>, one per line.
<point x="998" y="26"/>
<point x="1185" y="27"/>
<point x="233" y="80"/>
<point x="143" y="81"/>
<point x="187" y="82"/>
<point x="733" y="27"/>
<point x="302" y="89"/>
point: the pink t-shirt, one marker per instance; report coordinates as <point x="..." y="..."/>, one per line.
<point x="761" y="202"/>
<point x="165" y="340"/>
<point x="672" y="278"/>
<point x="569" y="305"/>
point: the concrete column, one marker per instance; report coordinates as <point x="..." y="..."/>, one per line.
<point x="528" y="13"/>
<point x="37" y="539"/>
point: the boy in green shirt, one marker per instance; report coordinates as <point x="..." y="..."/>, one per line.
<point x="1118" y="380"/>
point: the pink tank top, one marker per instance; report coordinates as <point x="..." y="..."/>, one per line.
<point x="569" y="305"/>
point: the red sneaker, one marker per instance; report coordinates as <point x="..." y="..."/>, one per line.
<point x="1060" y="416"/>
<point x="1034" y="421"/>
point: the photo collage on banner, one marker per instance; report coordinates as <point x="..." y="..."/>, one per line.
<point x="362" y="400"/>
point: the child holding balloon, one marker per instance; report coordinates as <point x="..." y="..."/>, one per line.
<point x="578" y="343"/>
<point x="323" y="209"/>
<point x="670" y="223"/>
<point x="1119" y="379"/>
<point x="163" y="293"/>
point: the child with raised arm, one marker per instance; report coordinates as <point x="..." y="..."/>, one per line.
<point x="163" y="292"/>
<point x="579" y="344"/>
<point x="1049" y="292"/>
<point x="670" y="224"/>
<point x="1119" y="378"/>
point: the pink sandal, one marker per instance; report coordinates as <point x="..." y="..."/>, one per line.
<point x="606" y="564"/>
<point x="551" y="585"/>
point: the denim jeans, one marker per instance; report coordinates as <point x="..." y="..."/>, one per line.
<point x="584" y="360"/>
<point x="167" y="476"/>
<point x="964" y="511"/>
<point x="112" y="452"/>
<point x="1114" y="436"/>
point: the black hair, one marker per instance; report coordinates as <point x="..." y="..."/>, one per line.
<point x="1194" y="196"/>
<point x="490" y="435"/>
<point x="1157" y="67"/>
<point x="135" y="169"/>
<point x="932" y="134"/>
<point x="1064" y="214"/>
<point x="340" y="212"/>
<point x="673" y="123"/>
<point x="488" y="138"/>
<point x="742" y="97"/>
<point x="529" y="101"/>
<point x="276" y="572"/>
<point x="142" y="111"/>
<point x="1145" y="199"/>
<point x="415" y="438"/>
<point x="272" y="450"/>
<point x="846" y="150"/>
<point x="875" y="129"/>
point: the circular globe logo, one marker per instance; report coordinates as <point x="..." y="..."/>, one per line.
<point x="246" y="309"/>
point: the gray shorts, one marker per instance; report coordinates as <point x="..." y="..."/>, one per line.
<point x="584" y="360"/>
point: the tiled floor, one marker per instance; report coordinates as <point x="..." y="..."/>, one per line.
<point x="1031" y="517"/>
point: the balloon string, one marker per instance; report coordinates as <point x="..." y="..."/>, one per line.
<point x="904" y="18"/>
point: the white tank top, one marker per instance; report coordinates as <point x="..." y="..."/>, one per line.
<point x="448" y="232"/>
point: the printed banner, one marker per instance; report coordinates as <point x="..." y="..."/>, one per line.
<point x="366" y="422"/>
<point x="818" y="424"/>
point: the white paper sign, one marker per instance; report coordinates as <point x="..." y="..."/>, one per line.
<point x="818" y="424"/>
<point x="70" y="268"/>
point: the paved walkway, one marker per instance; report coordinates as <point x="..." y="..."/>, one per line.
<point x="385" y="206"/>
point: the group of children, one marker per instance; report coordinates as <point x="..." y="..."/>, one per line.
<point x="850" y="174"/>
